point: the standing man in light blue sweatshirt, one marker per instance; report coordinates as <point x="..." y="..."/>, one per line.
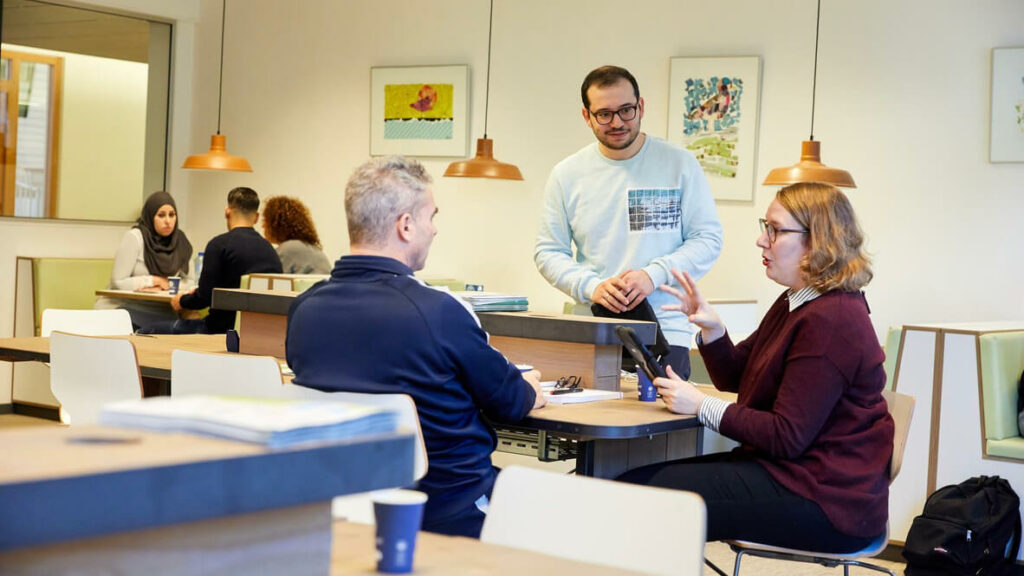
<point x="634" y="206"/>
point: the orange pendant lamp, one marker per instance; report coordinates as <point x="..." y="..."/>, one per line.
<point x="810" y="168"/>
<point x="218" y="158"/>
<point x="483" y="165"/>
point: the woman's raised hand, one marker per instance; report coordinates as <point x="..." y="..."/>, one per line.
<point x="695" y="307"/>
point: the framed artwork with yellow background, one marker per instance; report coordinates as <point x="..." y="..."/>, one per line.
<point x="419" y="110"/>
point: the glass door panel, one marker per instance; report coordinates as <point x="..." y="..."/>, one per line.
<point x="30" y="100"/>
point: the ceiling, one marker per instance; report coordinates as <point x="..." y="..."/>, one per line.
<point x="77" y="30"/>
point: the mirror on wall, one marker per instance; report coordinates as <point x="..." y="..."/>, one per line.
<point x="83" y="111"/>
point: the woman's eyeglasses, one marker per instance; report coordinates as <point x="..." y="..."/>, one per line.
<point x="773" y="232"/>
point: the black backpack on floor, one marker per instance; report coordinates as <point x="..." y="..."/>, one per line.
<point x="967" y="528"/>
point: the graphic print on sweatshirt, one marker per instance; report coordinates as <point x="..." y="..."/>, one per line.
<point x="654" y="210"/>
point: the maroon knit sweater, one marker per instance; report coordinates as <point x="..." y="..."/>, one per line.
<point x="810" y="407"/>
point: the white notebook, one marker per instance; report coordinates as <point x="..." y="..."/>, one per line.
<point x="587" y="395"/>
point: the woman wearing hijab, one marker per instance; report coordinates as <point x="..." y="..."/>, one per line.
<point x="153" y="250"/>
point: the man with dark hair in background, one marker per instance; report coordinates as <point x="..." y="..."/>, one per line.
<point x="240" y="250"/>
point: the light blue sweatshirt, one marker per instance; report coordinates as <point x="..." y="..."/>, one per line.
<point x="652" y="212"/>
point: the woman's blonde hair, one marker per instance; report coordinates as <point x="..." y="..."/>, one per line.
<point x="835" y="258"/>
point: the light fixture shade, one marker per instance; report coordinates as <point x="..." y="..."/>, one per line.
<point x="483" y="165"/>
<point x="217" y="158"/>
<point x="809" y="169"/>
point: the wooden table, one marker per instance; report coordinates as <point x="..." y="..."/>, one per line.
<point x="613" y="435"/>
<point x="617" y="435"/>
<point x="154" y="353"/>
<point x="161" y="296"/>
<point x="354" y="552"/>
<point x="79" y="500"/>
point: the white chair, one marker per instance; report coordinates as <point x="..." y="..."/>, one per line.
<point x="901" y="407"/>
<point x="87" y="322"/>
<point x="651" y="530"/>
<point x="358" y="508"/>
<point x="260" y="377"/>
<point x="86" y="372"/>
<point x="225" y="375"/>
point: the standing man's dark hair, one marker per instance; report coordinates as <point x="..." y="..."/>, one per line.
<point x="245" y="200"/>
<point x="606" y="76"/>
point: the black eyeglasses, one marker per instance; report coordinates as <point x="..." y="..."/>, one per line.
<point x="604" y="117"/>
<point x="568" y="382"/>
<point x="774" y="232"/>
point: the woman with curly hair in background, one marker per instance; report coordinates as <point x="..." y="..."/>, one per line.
<point x="287" y="223"/>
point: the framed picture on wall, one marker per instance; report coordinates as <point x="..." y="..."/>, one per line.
<point x="1007" y="133"/>
<point x="419" y="111"/>
<point x="713" y="108"/>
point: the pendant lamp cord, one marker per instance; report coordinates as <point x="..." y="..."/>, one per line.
<point x="220" y="83"/>
<point x="487" y="94"/>
<point x="814" y="84"/>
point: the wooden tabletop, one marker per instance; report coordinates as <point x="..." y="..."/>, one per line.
<point x="607" y="419"/>
<point x="154" y="351"/>
<point x="627" y="417"/>
<point x="159" y="296"/>
<point x="354" y="552"/>
<point x="99" y="480"/>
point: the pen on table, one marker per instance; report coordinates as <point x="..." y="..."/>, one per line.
<point x="565" y="390"/>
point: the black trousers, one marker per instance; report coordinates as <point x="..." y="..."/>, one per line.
<point x="745" y="503"/>
<point x="678" y="358"/>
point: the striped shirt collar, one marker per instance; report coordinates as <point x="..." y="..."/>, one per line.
<point x="798" y="298"/>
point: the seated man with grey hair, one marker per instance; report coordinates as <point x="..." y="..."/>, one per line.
<point x="374" y="327"/>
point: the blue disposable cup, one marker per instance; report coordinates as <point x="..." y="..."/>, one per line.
<point x="173" y="284"/>
<point x="399" y="514"/>
<point x="646" y="392"/>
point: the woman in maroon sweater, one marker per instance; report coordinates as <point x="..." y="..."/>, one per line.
<point x="815" y="435"/>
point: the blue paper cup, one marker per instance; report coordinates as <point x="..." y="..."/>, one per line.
<point x="399" y="514"/>
<point x="646" y="392"/>
<point x="173" y="284"/>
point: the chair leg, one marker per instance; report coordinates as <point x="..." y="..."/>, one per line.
<point x="736" y="566"/>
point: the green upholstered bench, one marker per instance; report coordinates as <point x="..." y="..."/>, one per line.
<point x="1002" y="360"/>
<point x="65" y="283"/>
<point x="892" y="353"/>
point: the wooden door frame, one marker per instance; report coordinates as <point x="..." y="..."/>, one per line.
<point x="9" y="158"/>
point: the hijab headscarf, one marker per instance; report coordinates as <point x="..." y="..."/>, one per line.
<point x="164" y="255"/>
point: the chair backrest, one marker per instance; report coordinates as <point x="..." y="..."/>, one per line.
<point x="225" y="375"/>
<point x="87" y="322"/>
<point x="403" y="404"/>
<point x="901" y="408"/>
<point x="86" y="372"/>
<point x="651" y="530"/>
<point x="1002" y="360"/>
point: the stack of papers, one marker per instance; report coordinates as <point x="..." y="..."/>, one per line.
<point x="269" y="421"/>
<point x="493" y="301"/>
<point x="585" y="395"/>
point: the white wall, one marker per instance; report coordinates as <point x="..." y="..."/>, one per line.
<point x="903" y="99"/>
<point x="104" y="110"/>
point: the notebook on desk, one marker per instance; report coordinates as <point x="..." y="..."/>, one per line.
<point x="584" y="395"/>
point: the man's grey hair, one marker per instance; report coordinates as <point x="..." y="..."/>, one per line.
<point x="380" y="191"/>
